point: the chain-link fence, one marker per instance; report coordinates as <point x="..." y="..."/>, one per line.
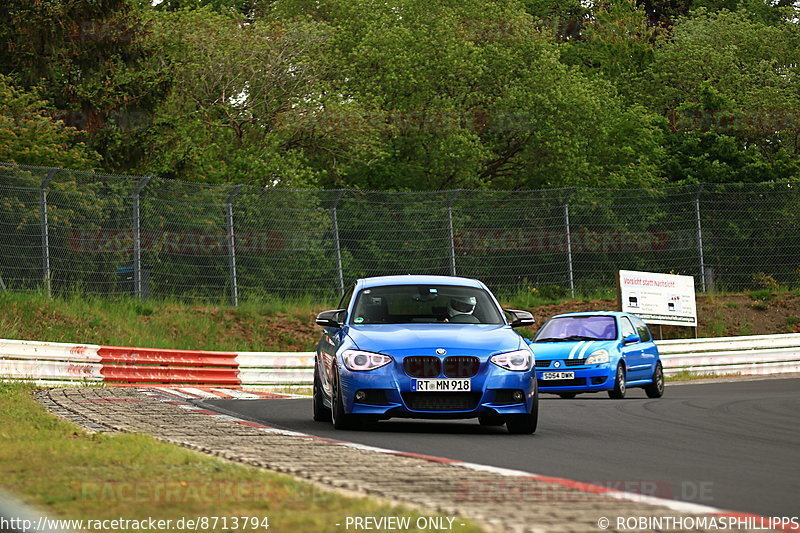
<point x="83" y="231"/>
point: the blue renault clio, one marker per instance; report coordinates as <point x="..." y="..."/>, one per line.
<point x="591" y="352"/>
<point x="424" y="347"/>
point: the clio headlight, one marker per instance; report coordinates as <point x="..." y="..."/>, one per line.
<point x="598" y="357"/>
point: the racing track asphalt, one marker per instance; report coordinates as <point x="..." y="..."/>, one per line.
<point x="732" y="445"/>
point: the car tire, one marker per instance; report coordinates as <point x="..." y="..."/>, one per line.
<point x="568" y="395"/>
<point x="618" y="392"/>
<point x="524" y="424"/>
<point x="491" y="420"/>
<point x="321" y="413"/>
<point x="656" y="388"/>
<point x="341" y="420"/>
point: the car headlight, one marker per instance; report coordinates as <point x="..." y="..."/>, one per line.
<point x="598" y="357"/>
<point x="359" y="361"/>
<point x="518" y="360"/>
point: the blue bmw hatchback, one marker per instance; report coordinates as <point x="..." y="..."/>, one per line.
<point x="424" y="347"/>
<point x="590" y="352"/>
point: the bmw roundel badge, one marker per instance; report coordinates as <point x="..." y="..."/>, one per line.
<point x="441" y="351"/>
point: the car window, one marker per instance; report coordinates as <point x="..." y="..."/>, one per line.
<point x="404" y="304"/>
<point x="575" y="328"/>
<point x="642" y="329"/>
<point x="344" y="301"/>
<point x="627" y="327"/>
<point x="346" y="298"/>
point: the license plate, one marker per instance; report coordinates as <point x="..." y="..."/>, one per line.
<point x="558" y="375"/>
<point x="441" y="385"/>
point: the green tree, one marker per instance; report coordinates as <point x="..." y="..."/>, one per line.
<point x="619" y="42"/>
<point x="472" y="94"/>
<point x="30" y="136"/>
<point x="665" y="12"/>
<point x="224" y="118"/>
<point x="750" y="63"/>
<point x="731" y="89"/>
<point x="563" y="20"/>
<point x="93" y="62"/>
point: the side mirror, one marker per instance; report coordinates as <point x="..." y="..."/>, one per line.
<point x="631" y="339"/>
<point x="520" y="319"/>
<point x="330" y="319"/>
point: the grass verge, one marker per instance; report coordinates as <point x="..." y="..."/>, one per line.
<point x="270" y="325"/>
<point x="274" y="324"/>
<point x="59" y="469"/>
<point x="685" y="375"/>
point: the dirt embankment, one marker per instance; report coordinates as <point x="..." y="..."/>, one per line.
<point x="271" y="327"/>
<point x="759" y="313"/>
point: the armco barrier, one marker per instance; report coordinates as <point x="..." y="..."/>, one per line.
<point x="60" y="363"/>
<point x="751" y="355"/>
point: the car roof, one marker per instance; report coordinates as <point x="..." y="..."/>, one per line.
<point x="411" y="279"/>
<point x="593" y="313"/>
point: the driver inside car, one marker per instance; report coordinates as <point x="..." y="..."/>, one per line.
<point x="461" y="309"/>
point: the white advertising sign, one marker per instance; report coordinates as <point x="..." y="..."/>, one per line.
<point x="658" y="298"/>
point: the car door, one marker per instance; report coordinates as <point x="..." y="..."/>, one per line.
<point x="649" y="348"/>
<point x="329" y="344"/>
<point x="631" y="353"/>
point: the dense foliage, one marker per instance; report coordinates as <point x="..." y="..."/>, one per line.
<point x="406" y="94"/>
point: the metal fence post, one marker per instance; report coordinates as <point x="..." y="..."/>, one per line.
<point x="336" y="245"/>
<point x="569" y="243"/>
<point x="700" y="238"/>
<point x="137" y="237"/>
<point x="452" y="233"/>
<point x="46" y="231"/>
<point x="232" y="245"/>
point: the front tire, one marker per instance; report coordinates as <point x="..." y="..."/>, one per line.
<point x="341" y="420"/>
<point x="524" y="424"/>
<point x="656" y="388"/>
<point x="618" y="392"/>
<point x="321" y="413"/>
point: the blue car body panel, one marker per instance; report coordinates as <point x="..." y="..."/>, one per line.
<point x="421" y="339"/>
<point x="639" y="359"/>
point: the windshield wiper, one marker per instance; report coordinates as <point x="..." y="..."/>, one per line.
<point x="568" y="339"/>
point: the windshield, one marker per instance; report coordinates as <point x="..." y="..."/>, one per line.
<point x="404" y="304"/>
<point x="578" y="328"/>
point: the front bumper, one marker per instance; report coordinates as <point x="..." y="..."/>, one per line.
<point x="590" y="378"/>
<point x="398" y="400"/>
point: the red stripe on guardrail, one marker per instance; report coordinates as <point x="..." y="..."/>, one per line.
<point x="125" y="365"/>
<point x="170" y="374"/>
<point x="149" y="356"/>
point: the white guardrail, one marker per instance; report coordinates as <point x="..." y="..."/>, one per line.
<point x="61" y="363"/>
<point x="751" y="355"/>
